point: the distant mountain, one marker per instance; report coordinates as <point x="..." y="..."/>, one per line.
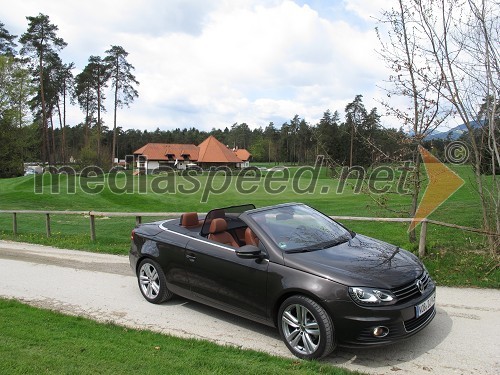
<point x="453" y="133"/>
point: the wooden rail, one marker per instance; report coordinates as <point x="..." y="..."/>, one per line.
<point x="139" y="215"/>
<point x="90" y="214"/>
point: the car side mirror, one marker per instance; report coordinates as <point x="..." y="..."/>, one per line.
<point x="249" y="252"/>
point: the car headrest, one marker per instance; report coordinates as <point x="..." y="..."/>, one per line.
<point x="218" y="225"/>
<point x="190" y="219"/>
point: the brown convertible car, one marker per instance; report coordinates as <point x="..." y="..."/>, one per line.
<point x="288" y="266"/>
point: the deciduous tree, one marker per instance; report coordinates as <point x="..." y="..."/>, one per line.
<point x="415" y="79"/>
<point x="446" y="53"/>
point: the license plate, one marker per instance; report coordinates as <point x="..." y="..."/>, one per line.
<point x="426" y="305"/>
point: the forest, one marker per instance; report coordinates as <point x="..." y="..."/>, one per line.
<point x="37" y="88"/>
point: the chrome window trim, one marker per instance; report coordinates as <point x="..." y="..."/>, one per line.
<point x="229" y="248"/>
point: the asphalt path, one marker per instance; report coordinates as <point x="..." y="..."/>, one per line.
<point x="463" y="338"/>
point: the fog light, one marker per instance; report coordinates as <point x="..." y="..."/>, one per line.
<point x="380" y="331"/>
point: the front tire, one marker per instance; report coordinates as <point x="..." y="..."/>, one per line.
<point x="306" y="328"/>
<point x="152" y="282"/>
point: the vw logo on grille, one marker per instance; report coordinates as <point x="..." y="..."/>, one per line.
<point x="420" y="286"/>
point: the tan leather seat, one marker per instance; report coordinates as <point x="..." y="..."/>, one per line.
<point x="190" y="220"/>
<point x="251" y="238"/>
<point x="239" y="233"/>
<point x="217" y="232"/>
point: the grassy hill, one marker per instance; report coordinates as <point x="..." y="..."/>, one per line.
<point x="454" y="257"/>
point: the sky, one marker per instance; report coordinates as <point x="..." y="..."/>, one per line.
<point x="212" y="63"/>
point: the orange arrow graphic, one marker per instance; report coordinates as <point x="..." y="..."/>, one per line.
<point x="443" y="182"/>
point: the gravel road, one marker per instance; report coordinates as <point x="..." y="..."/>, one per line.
<point x="462" y="339"/>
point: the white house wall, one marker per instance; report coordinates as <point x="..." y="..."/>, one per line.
<point x="152" y="164"/>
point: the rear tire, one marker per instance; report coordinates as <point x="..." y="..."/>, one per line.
<point x="306" y="328"/>
<point x="152" y="282"/>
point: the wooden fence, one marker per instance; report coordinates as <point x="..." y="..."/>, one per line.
<point x="139" y="215"/>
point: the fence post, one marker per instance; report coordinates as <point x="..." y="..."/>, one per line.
<point x="423" y="236"/>
<point x="92" y="228"/>
<point x="14" y="223"/>
<point x="47" y="224"/>
<point x="138" y="220"/>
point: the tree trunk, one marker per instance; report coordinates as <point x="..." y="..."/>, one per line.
<point x="87" y="121"/>
<point x="20" y="116"/>
<point x="99" y="122"/>
<point x="53" y="139"/>
<point x="45" y="133"/>
<point x="412" y="236"/>
<point x="62" y="132"/>
<point x="63" y="145"/>
<point x="352" y="145"/>
<point x="113" y="153"/>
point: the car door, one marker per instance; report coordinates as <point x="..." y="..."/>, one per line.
<point x="173" y="261"/>
<point x="217" y="275"/>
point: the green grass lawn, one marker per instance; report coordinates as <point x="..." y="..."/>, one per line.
<point x="63" y="344"/>
<point x="36" y="341"/>
<point x="454" y="257"/>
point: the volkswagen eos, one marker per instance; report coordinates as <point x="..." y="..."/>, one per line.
<point x="288" y="266"/>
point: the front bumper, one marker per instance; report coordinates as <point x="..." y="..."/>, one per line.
<point x="354" y="324"/>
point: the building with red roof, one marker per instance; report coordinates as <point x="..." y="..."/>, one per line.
<point x="245" y="156"/>
<point x="209" y="153"/>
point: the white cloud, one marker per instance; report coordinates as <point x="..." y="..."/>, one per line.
<point x="368" y="10"/>
<point x="213" y="63"/>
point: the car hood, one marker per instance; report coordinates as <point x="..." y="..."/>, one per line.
<point x="362" y="261"/>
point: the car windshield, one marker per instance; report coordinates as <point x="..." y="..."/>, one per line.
<point x="300" y="228"/>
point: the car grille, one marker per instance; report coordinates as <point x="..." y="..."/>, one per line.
<point x="395" y="329"/>
<point x="410" y="291"/>
<point x="415" y="323"/>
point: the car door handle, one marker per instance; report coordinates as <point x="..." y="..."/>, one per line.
<point x="191" y="257"/>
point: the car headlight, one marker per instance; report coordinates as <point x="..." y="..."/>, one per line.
<point x="371" y="296"/>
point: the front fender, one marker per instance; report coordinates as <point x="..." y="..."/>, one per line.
<point x="284" y="282"/>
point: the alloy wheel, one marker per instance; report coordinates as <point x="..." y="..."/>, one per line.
<point x="300" y="328"/>
<point x="149" y="280"/>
